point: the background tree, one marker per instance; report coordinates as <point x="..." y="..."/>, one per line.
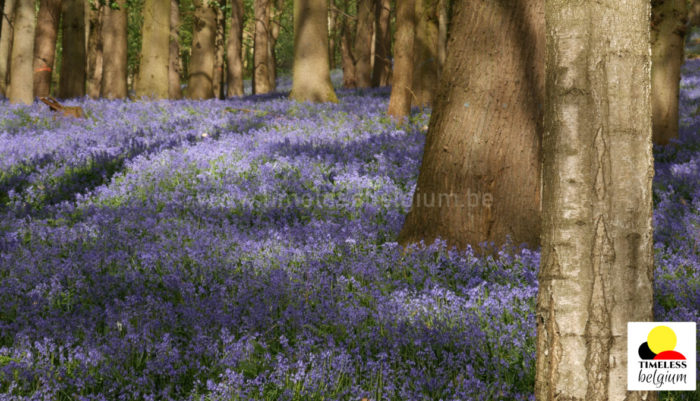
<point x="45" y="45"/>
<point x="276" y="9"/>
<point x="114" y="68"/>
<point x="6" y="44"/>
<point x="219" y="45"/>
<point x="596" y="265"/>
<point x="261" y="76"/>
<point x="480" y="176"/>
<point x="311" y="80"/>
<point x="668" y="28"/>
<point x="94" y="48"/>
<point x="201" y="67"/>
<point x="73" y="45"/>
<point x="21" y="76"/>
<point x="425" y="53"/>
<point x="234" y="59"/>
<point x="363" y="38"/>
<point x="152" y="79"/>
<point x="174" y="60"/>
<point x="346" y="46"/>
<point x="400" y="100"/>
<point x="381" y="70"/>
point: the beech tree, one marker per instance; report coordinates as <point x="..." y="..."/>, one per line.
<point x="668" y="27"/>
<point x="363" y="38"/>
<point x="480" y="175"/>
<point x="6" y="44"/>
<point x="311" y="78"/>
<point x="346" y="46"/>
<point x="21" y="76"/>
<point x="45" y="45"/>
<point x="219" y="43"/>
<point x="234" y="58"/>
<point x="400" y="100"/>
<point x="114" y="50"/>
<point x="74" y="50"/>
<point x="596" y="265"/>
<point x="152" y="79"/>
<point x="201" y="67"/>
<point x="425" y="52"/>
<point x="94" y="52"/>
<point x="174" y="61"/>
<point x="381" y="70"/>
<point x="261" y="64"/>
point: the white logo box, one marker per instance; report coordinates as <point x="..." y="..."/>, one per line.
<point x="661" y="375"/>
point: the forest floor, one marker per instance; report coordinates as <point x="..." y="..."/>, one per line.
<point x="244" y="249"/>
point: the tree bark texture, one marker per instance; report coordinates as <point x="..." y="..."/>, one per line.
<point x="6" y="38"/>
<point x="425" y="53"/>
<point x="275" y="15"/>
<point x="381" y="70"/>
<point x="219" y="52"/>
<point x="200" y="83"/>
<point x="401" y="94"/>
<point x="234" y="57"/>
<point x="668" y="28"/>
<point x="261" y="65"/>
<point x="346" y="46"/>
<point x="21" y="77"/>
<point x="596" y="267"/>
<point x="311" y="77"/>
<point x="152" y="79"/>
<point x="363" y="40"/>
<point x="480" y="176"/>
<point x="94" y="52"/>
<point x="174" y="61"/>
<point x="114" y="51"/>
<point x="71" y="82"/>
<point x="45" y="45"/>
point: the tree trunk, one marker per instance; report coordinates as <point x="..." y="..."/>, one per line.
<point x="332" y="34"/>
<point x="218" y="77"/>
<point x="347" y="58"/>
<point x="275" y="14"/>
<point x="94" y="52"/>
<point x="114" y="51"/>
<point x="596" y="266"/>
<point x="261" y="75"/>
<point x="668" y="27"/>
<point x="425" y="53"/>
<point x="311" y="80"/>
<point x="201" y="69"/>
<point x="73" y="43"/>
<point x="443" y="25"/>
<point x="363" y="40"/>
<point x="6" y="45"/>
<point x="400" y="101"/>
<point x="480" y="176"/>
<point x="174" y="62"/>
<point x="21" y="77"/>
<point x="152" y="80"/>
<point x="693" y="13"/>
<point x="382" y="45"/>
<point x="45" y="45"/>
<point x="234" y="61"/>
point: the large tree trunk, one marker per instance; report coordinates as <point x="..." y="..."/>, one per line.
<point x="425" y="53"/>
<point x="6" y="44"/>
<point x="363" y="40"/>
<point x="480" y="176"/>
<point x="45" y="45"/>
<point x="174" y="63"/>
<point x="201" y="68"/>
<point x="114" y="51"/>
<point x="311" y="80"/>
<point x="400" y="101"/>
<point x="346" y="46"/>
<point x="668" y="27"/>
<point x="261" y="75"/>
<point x="21" y="77"/>
<point x="596" y="266"/>
<point x="152" y="80"/>
<point x="234" y="61"/>
<point x="94" y="52"/>
<point x="218" y="76"/>
<point x="73" y="43"/>
<point x="382" y="44"/>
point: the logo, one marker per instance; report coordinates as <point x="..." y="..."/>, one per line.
<point x="661" y="356"/>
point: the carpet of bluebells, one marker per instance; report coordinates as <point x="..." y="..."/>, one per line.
<point x="244" y="249"/>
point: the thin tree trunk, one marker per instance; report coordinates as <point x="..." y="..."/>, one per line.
<point x="152" y="79"/>
<point x="174" y="66"/>
<point x="480" y="176"/>
<point x="201" y="69"/>
<point x="6" y="44"/>
<point x="45" y="45"/>
<point x="311" y="80"/>
<point x="219" y="51"/>
<point x="275" y="14"/>
<point x="363" y="40"/>
<point x="400" y="101"/>
<point x="94" y="53"/>
<point x="346" y="46"/>
<point x="114" y="51"/>
<point x="332" y="34"/>
<point x="425" y="53"/>
<point x="234" y="61"/>
<point x="382" y="54"/>
<point x="74" y="49"/>
<point x="261" y="76"/>
<point x="443" y="22"/>
<point x="596" y="267"/>
<point x="668" y="27"/>
<point x="21" y="77"/>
